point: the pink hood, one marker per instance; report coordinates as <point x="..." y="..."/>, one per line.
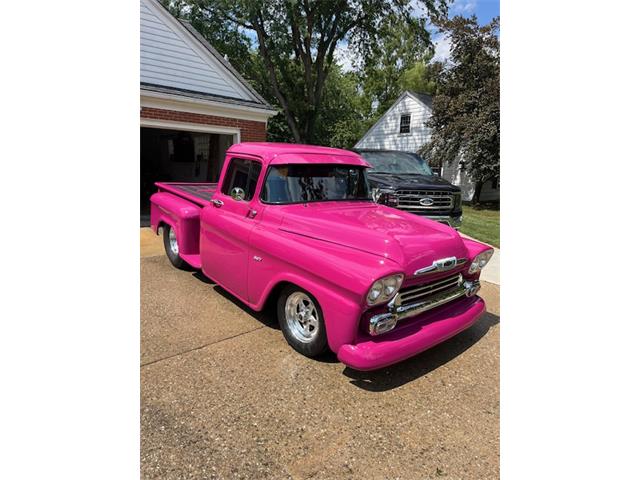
<point x="411" y="241"/>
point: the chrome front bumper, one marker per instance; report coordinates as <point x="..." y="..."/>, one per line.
<point x="384" y="322"/>
<point x="454" y="222"/>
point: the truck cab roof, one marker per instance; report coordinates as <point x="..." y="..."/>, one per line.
<point x="288" y="153"/>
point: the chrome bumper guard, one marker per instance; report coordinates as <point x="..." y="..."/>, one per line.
<point x="385" y="322"/>
<point x="454" y="222"/>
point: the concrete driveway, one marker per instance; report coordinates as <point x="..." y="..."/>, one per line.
<point x="224" y="396"/>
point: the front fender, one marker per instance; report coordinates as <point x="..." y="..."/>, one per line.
<point x="341" y="312"/>
<point x="339" y="277"/>
<point x="474" y="248"/>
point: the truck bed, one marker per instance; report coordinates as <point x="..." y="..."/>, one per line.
<point x="198" y="193"/>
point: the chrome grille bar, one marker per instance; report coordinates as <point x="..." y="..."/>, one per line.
<point x="413" y="293"/>
<point x="410" y="199"/>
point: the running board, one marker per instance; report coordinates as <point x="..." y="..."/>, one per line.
<point x="193" y="260"/>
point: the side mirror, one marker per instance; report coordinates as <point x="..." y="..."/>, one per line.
<point x="237" y="193"/>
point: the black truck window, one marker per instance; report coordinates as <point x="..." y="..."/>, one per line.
<point x="302" y="183"/>
<point x="241" y="174"/>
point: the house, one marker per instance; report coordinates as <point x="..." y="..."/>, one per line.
<point x="193" y="103"/>
<point x="403" y="127"/>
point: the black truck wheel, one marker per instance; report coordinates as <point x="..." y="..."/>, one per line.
<point x="301" y="321"/>
<point x="171" y="247"/>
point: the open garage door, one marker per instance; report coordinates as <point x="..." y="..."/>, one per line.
<point x="178" y="156"/>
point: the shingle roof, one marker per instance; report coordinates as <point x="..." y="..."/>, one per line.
<point x="251" y="98"/>
<point x="423" y="98"/>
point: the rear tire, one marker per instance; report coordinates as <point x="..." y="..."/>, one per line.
<point x="301" y="321"/>
<point x="171" y="247"/>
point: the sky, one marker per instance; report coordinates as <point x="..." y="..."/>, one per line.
<point x="485" y="10"/>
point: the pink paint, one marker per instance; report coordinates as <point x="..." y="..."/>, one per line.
<point x="334" y="250"/>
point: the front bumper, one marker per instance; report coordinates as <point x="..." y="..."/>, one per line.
<point x="423" y="332"/>
<point x="452" y="221"/>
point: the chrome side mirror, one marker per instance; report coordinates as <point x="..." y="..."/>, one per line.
<point x="237" y="193"/>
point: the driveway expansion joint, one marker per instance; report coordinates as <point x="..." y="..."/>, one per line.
<point x="199" y="347"/>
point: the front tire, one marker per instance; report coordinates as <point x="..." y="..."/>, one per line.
<point x="171" y="247"/>
<point x="301" y="321"/>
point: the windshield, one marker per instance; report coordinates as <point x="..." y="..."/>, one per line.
<point x="396" y="162"/>
<point x="315" y="183"/>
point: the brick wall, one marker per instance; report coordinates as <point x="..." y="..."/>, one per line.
<point x="250" y="131"/>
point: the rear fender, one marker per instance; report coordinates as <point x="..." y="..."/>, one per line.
<point x="181" y="215"/>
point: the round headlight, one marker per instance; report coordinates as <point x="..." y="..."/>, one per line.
<point x="390" y="285"/>
<point x="384" y="289"/>
<point x="375" y="292"/>
<point x="480" y="261"/>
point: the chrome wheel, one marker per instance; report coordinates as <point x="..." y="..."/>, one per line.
<point x="173" y="241"/>
<point x="302" y="317"/>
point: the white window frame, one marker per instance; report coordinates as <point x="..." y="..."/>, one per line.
<point x="400" y="132"/>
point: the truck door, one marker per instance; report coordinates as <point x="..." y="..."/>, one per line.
<point x="226" y="225"/>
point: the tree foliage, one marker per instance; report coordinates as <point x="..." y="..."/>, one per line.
<point x="296" y="44"/>
<point x="466" y="108"/>
<point x="396" y="62"/>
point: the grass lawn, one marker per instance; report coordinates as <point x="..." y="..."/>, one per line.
<point x="482" y="224"/>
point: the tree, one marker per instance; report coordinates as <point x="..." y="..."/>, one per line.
<point x="395" y="60"/>
<point x="297" y="40"/>
<point x="465" y="124"/>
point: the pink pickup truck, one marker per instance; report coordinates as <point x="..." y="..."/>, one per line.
<point x="296" y="224"/>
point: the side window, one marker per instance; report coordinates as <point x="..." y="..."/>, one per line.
<point x="405" y="123"/>
<point x="241" y="179"/>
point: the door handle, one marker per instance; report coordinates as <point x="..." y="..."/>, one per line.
<point x="252" y="213"/>
<point x="217" y="203"/>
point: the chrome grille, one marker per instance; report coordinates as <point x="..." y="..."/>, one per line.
<point x="421" y="293"/>
<point x="410" y="199"/>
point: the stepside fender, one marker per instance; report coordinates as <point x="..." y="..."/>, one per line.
<point x="180" y="214"/>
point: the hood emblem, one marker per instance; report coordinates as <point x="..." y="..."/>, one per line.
<point x="441" y="265"/>
<point x="425" y="202"/>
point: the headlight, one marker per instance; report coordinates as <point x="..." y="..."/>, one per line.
<point x="384" y="289"/>
<point x="480" y="261"/>
<point x="385" y="196"/>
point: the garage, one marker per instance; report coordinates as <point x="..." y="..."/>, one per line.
<point x="193" y="104"/>
<point x="169" y="155"/>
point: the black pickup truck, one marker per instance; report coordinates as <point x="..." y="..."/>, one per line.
<point x="404" y="180"/>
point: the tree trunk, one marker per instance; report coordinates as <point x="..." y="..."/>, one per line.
<point x="476" y="193"/>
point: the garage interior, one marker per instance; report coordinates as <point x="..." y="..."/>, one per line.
<point x="178" y="156"/>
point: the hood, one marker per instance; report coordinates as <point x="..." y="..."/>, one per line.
<point x="411" y="241"/>
<point x="409" y="181"/>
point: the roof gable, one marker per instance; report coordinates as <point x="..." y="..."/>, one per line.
<point x="174" y="56"/>
<point x="385" y="134"/>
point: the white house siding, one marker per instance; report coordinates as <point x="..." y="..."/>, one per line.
<point x="385" y="135"/>
<point x="170" y="58"/>
<point x="453" y="174"/>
